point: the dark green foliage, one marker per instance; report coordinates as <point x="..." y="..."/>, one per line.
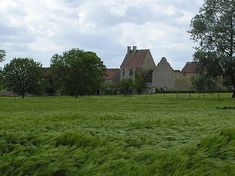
<point x="2" y="55"/>
<point x="214" y="30"/>
<point x="139" y="83"/>
<point x="1" y="80"/>
<point x="47" y="84"/>
<point x="22" y="75"/>
<point x="114" y="135"/>
<point x="58" y="71"/>
<point x="204" y="83"/>
<point x="78" y="72"/>
<point x="208" y="63"/>
<point x="126" y="86"/>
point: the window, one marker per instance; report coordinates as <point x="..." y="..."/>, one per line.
<point x="131" y="72"/>
<point x="123" y="72"/>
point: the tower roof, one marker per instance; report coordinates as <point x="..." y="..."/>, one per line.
<point x="134" y="58"/>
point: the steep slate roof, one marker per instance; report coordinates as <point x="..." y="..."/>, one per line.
<point x="134" y="59"/>
<point x="112" y="73"/>
<point x="190" y="67"/>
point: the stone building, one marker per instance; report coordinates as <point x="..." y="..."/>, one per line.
<point x="161" y="77"/>
<point x="184" y="78"/>
<point x="136" y="61"/>
<point x="112" y="75"/>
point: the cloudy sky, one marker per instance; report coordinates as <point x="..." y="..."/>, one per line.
<point x="39" y="29"/>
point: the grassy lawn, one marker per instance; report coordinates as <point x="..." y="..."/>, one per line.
<point x="136" y="135"/>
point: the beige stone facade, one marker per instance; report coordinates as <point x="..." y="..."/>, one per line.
<point x="164" y="76"/>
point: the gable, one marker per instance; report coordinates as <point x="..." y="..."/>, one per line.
<point x="134" y="59"/>
<point x="164" y="75"/>
<point x="164" y="65"/>
<point x="148" y="64"/>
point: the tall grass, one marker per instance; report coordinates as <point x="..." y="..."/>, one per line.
<point x="136" y="135"/>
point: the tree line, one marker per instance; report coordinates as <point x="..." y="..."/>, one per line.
<point x="76" y="72"/>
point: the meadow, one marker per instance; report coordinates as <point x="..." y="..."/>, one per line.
<point x="142" y="135"/>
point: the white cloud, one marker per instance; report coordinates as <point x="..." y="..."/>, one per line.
<point x="42" y="28"/>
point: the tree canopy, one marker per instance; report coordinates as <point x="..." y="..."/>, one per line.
<point x="78" y="72"/>
<point x="22" y="75"/>
<point x="2" y="55"/>
<point x="214" y="30"/>
<point x="204" y="83"/>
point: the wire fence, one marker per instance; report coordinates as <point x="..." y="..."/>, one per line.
<point x="175" y="95"/>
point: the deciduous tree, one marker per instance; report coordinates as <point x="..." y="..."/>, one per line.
<point x="204" y="83"/>
<point x="22" y="75"/>
<point x="78" y="72"/>
<point x="214" y="29"/>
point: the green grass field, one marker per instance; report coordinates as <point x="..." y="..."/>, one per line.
<point x="135" y="135"/>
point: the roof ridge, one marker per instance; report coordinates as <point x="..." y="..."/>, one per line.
<point x="135" y="59"/>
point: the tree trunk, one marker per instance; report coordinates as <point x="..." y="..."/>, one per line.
<point x="125" y="93"/>
<point x="231" y="50"/>
<point x="233" y="84"/>
<point x="23" y="92"/>
<point x="233" y="96"/>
